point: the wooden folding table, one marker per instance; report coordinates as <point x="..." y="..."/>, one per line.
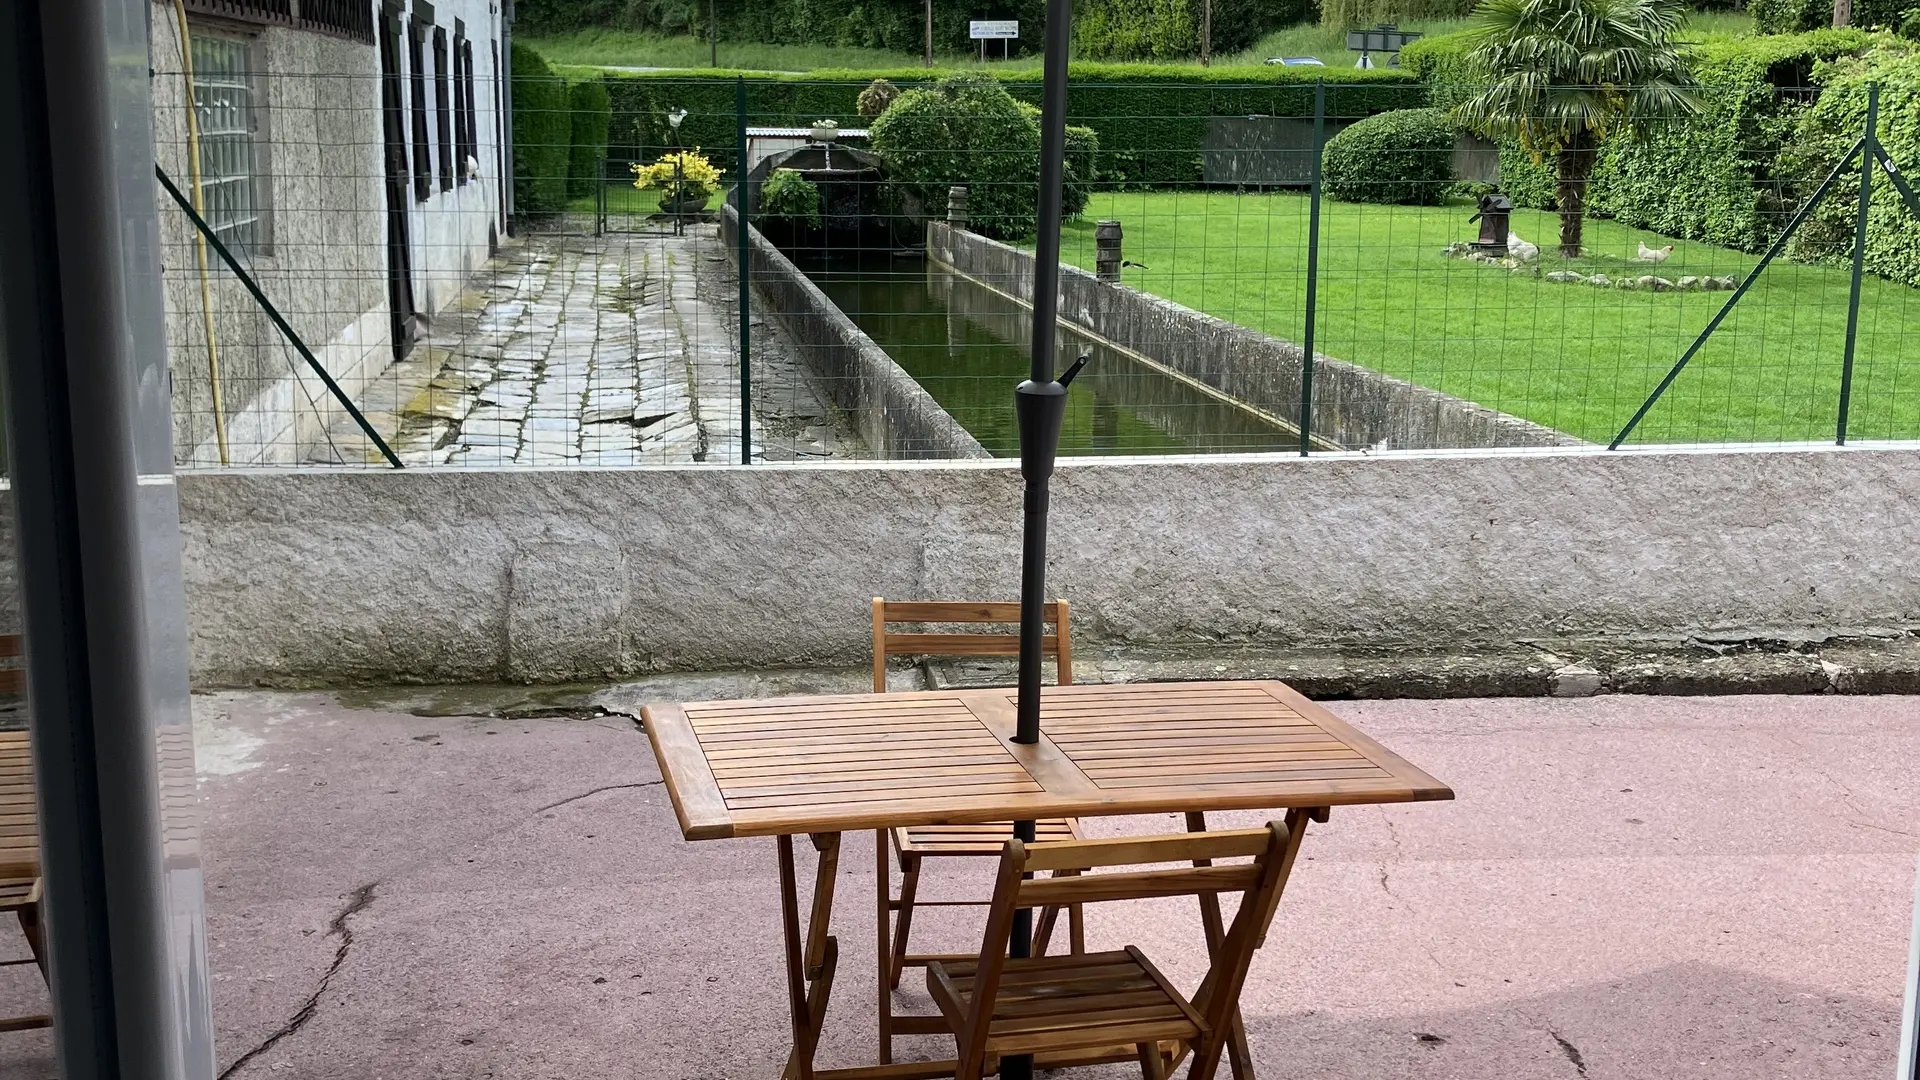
<point x="822" y="765"/>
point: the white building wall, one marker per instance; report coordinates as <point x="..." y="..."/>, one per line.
<point x="453" y="232"/>
<point x="319" y="142"/>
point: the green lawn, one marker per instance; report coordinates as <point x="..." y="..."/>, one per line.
<point x="625" y="48"/>
<point x="1572" y="357"/>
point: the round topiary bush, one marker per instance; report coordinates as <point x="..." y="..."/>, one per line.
<point x="1404" y="156"/>
<point x="965" y="130"/>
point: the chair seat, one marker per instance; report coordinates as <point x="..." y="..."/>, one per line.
<point x="18" y="892"/>
<point x="1069" y="1002"/>
<point x="988" y="839"/>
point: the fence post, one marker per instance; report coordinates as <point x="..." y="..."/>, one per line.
<point x="1868" y="144"/>
<point x="746" y="294"/>
<point x="1313" y="264"/>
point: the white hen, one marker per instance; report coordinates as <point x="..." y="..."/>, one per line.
<point x="1654" y="255"/>
<point x="1520" y="249"/>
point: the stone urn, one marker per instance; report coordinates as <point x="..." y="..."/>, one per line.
<point x="825" y="131"/>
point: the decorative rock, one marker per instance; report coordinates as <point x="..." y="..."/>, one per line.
<point x="1459" y="249"/>
<point x="1510" y="263"/>
<point x="1722" y="284"/>
<point x="1691" y="283"/>
<point x="1627" y="283"/>
<point x="1600" y="281"/>
<point x="1567" y="277"/>
<point x="1656" y="284"/>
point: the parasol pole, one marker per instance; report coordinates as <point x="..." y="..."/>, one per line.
<point x="1039" y="406"/>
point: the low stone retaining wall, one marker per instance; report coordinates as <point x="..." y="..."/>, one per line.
<point x="891" y="411"/>
<point x="552" y="575"/>
<point x="1356" y="407"/>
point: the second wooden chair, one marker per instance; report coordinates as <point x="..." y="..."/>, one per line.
<point x="915" y="844"/>
<point x="1081" y="1009"/>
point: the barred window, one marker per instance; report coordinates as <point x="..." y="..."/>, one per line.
<point x="223" y="99"/>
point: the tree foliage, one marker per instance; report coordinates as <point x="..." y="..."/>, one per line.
<point x="966" y="129"/>
<point x="1563" y="75"/>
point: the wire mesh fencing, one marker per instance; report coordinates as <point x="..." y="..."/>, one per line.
<point x="1298" y="267"/>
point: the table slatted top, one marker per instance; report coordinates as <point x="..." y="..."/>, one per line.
<point x="823" y="764"/>
<point x="19" y="828"/>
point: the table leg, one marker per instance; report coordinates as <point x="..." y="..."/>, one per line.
<point x="1239" y="1054"/>
<point x="812" y="959"/>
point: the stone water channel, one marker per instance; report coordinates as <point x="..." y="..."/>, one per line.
<point x="572" y="350"/>
<point x="966" y="345"/>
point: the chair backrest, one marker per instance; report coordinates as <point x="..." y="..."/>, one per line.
<point x="1259" y="881"/>
<point x="1058" y="645"/>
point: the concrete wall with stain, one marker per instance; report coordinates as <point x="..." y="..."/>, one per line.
<point x="553" y="575"/>
<point x="1353" y="406"/>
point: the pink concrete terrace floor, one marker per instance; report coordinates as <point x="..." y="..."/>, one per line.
<point x="1627" y="887"/>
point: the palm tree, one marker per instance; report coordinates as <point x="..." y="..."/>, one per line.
<point x="1563" y="75"/>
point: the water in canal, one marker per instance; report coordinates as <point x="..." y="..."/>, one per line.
<point x="966" y="345"/>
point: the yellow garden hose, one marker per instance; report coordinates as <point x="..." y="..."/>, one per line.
<point x="200" y="241"/>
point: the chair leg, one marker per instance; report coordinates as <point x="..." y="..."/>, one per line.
<point x="882" y="872"/>
<point x="909" y="884"/>
<point x="36" y="941"/>
<point x="1077" y="928"/>
<point x="1050" y="916"/>
<point x="1152" y="1065"/>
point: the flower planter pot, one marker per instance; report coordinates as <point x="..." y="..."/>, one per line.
<point x="684" y="206"/>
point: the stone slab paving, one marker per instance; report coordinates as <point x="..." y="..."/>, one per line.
<point x="1627" y="888"/>
<point x="589" y="351"/>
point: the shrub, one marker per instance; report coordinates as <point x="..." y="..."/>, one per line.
<point x="965" y="130"/>
<point x="876" y="97"/>
<point x="787" y="194"/>
<point x="1828" y="129"/>
<point x="542" y="135"/>
<point x="686" y="175"/>
<point x="1083" y="153"/>
<point x="1137" y="30"/>
<point x="1404" y="156"/>
<point x="588" y="141"/>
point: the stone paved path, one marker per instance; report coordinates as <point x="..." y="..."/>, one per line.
<point x="596" y="351"/>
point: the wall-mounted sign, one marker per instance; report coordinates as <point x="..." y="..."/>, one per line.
<point x="984" y="29"/>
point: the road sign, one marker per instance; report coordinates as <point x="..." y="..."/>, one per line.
<point x="984" y="29"/>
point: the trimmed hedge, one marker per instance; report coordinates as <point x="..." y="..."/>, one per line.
<point x="1404" y="156"/>
<point x="1827" y="131"/>
<point x="542" y="135"/>
<point x="592" y="114"/>
<point x="1150" y="120"/>
<point x="1716" y="177"/>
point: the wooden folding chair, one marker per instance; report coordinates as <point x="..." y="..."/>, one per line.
<point x="19" y="843"/>
<point x="915" y="844"/>
<point x="1111" y="1005"/>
